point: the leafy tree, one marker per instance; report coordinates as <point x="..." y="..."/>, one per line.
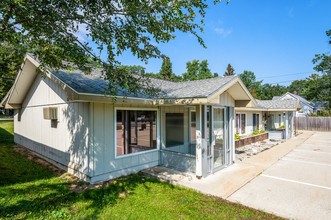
<point x="192" y="70"/>
<point x="229" y="71"/>
<point x="317" y="87"/>
<point x="10" y="62"/>
<point x="204" y="71"/>
<point x="166" y="69"/>
<point x="196" y="69"/>
<point x="135" y="69"/>
<point x="297" y="87"/>
<point x="52" y="30"/>
<point x="176" y="78"/>
<point x="323" y="61"/>
<point x="249" y="79"/>
<point x="323" y="64"/>
<point x="269" y="91"/>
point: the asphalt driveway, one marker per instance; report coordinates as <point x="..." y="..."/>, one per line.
<point x="298" y="186"/>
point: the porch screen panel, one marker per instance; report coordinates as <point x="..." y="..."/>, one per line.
<point x="174" y="129"/>
<point x="256" y="122"/>
<point x="243" y="123"/>
<point x="193" y="127"/>
<point x="240" y="123"/>
<point x="135" y="131"/>
<point x="237" y="123"/>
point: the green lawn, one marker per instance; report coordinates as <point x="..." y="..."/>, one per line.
<point x="30" y="191"/>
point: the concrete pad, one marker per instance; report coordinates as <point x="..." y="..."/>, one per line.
<point x="302" y="172"/>
<point x="285" y="198"/>
<point x="315" y="147"/>
<point x="309" y="156"/>
<point x="295" y="183"/>
<point x="322" y="136"/>
<point x="298" y="186"/>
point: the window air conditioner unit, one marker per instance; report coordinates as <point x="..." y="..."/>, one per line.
<point x="50" y="113"/>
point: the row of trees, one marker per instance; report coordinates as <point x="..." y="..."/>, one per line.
<point x="317" y="87"/>
<point x="195" y="70"/>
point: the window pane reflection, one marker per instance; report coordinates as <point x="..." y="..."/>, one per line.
<point x="135" y="131"/>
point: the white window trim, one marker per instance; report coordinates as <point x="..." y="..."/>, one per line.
<point x="157" y="131"/>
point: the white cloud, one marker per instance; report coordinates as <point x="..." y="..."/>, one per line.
<point x="223" y="32"/>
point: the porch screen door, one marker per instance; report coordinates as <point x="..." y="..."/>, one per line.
<point x="218" y="135"/>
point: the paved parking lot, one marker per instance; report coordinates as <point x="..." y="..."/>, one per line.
<point x="298" y="186"/>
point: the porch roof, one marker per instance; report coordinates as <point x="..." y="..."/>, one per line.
<point x="273" y="105"/>
<point x="278" y="105"/>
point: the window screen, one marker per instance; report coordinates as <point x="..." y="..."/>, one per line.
<point x="174" y="129"/>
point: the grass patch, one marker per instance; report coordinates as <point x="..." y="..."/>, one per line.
<point x="30" y="191"/>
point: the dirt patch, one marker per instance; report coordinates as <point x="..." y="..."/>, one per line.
<point x="32" y="156"/>
<point x="75" y="184"/>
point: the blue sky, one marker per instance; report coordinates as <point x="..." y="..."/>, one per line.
<point x="277" y="40"/>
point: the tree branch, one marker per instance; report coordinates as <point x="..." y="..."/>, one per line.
<point x="6" y="17"/>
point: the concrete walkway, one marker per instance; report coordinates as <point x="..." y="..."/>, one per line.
<point x="227" y="181"/>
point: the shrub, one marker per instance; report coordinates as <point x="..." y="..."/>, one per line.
<point x="237" y="137"/>
<point x="257" y="132"/>
<point x="323" y="113"/>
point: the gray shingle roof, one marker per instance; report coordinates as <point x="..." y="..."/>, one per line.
<point x="95" y="84"/>
<point x="192" y="89"/>
<point x="301" y="99"/>
<point x="277" y="104"/>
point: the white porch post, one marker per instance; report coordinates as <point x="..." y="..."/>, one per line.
<point x="201" y="142"/>
<point x="292" y="124"/>
<point x="286" y="125"/>
<point x="231" y="134"/>
<point x="198" y="155"/>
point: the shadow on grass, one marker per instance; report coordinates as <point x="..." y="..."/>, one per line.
<point x="5" y="135"/>
<point x="16" y="168"/>
<point x="49" y="196"/>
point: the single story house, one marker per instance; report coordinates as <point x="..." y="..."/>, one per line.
<point x="69" y="120"/>
<point x="306" y="106"/>
<point x="275" y="116"/>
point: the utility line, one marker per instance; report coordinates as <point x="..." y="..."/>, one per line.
<point x="267" y="77"/>
<point x="281" y="82"/>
